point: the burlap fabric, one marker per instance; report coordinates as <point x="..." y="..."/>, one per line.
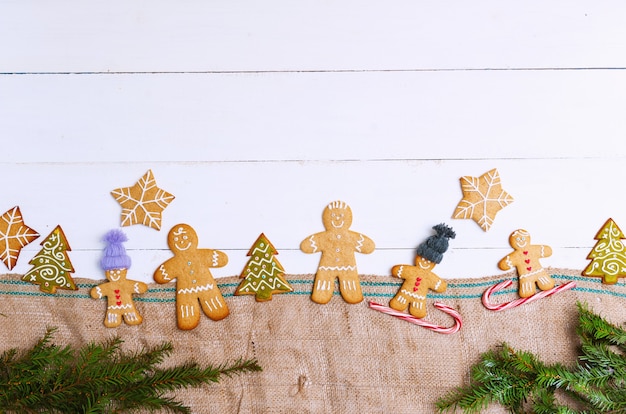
<point x="333" y="358"/>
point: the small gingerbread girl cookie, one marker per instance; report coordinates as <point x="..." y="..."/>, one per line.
<point x="338" y="245"/>
<point x="195" y="287"/>
<point x="419" y="279"/>
<point x="118" y="290"/>
<point x="525" y="258"/>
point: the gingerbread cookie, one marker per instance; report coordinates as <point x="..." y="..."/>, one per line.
<point x="118" y="290"/>
<point x="525" y="258"/>
<point x="195" y="287"/>
<point x="14" y="235"/>
<point x="143" y="202"/>
<point x="338" y="245"/>
<point x="419" y="279"/>
<point x="263" y="274"/>
<point x="608" y="256"/>
<point x="52" y="267"/>
<point x="483" y="197"/>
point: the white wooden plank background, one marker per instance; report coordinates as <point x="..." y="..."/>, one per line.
<point x="256" y="115"/>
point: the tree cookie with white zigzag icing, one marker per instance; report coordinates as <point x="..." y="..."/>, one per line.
<point x="263" y="274"/>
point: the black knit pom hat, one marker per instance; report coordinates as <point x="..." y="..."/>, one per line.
<point x="435" y="246"/>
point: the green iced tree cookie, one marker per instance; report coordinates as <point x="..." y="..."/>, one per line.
<point x="52" y="267"/>
<point x="263" y="274"/>
<point x="608" y="257"/>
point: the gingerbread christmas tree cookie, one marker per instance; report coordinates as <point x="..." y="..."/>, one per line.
<point x="143" y="202"/>
<point x="338" y="245"/>
<point x="52" y="267"/>
<point x="608" y="256"/>
<point x="118" y="289"/>
<point x="14" y="235"/>
<point x="483" y="197"/>
<point x="263" y="274"/>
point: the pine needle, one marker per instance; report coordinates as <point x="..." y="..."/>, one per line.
<point x="521" y="383"/>
<point x="100" y="378"/>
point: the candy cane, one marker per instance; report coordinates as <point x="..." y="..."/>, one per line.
<point x="420" y="322"/>
<point x="520" y="301"/>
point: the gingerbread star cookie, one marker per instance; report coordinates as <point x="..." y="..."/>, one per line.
<point x="143" y="202"/>
<point x="14" y="235"/>
<point x="483" y="197"/>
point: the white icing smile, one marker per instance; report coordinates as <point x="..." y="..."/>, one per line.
<point x="337" y="226"/>
<point x="115" y="275"/>
<point x="180" y="237"/>
<point x="181" y="247"/>
<point x="424" y="263"/>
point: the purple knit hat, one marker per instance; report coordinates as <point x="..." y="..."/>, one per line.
<point x="115" y="256"/>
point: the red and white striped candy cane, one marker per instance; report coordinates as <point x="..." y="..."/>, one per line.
<point x="520" y="301"/>
<point x="420" y="322"/>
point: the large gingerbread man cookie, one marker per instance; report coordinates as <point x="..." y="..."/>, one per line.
<point x="338" y="245"/>
<point x="525" y="259"/>
<point x="195" y="286"/>
<point x="419" y="279"/>
<point x="118" y="290"/>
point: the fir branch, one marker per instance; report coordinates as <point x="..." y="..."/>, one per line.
<point x="100" y="378"/>
<point x="520" y="382"/>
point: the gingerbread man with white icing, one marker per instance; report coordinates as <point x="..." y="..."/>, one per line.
<point x="118" y="290"/>
<point x="338" y="245"/>
<point x="195" y="287"/>
<point x="525" y="258"/>
<point x="419" y="279"/>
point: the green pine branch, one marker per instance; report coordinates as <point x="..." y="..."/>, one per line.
<point x="100" y="378"/>
<point x="521" y="383"/>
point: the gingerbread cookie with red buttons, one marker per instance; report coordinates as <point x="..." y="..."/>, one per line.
<point x="525" y="259"/>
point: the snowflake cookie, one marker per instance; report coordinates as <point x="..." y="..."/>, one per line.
<point x="14" y="235"/>
<point x="483" y="197"/>
<point x="143" y="202"/>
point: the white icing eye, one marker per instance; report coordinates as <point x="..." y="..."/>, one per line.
<point x="184" y="237"/>
<point x="175" y="239"/>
